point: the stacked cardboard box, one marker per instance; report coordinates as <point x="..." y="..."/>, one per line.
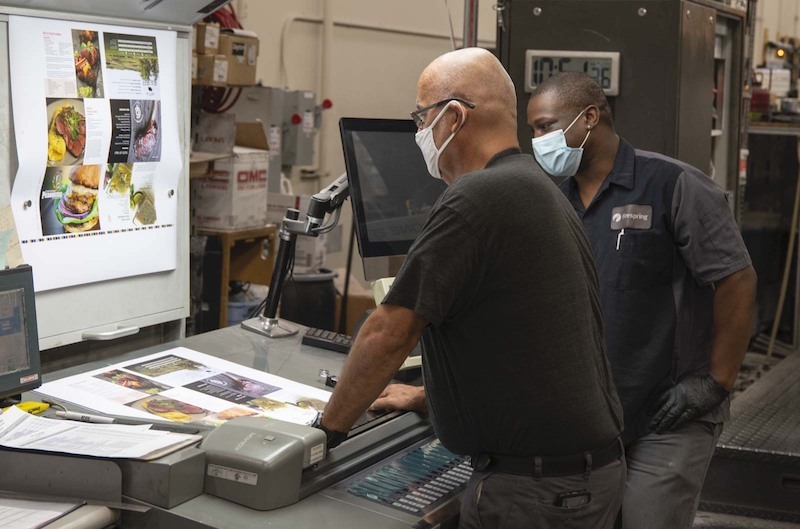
<point x="223" y="57"/>
<point x="208" y="67"/>
<point x="240" y="49"/>
<point x="235" y="196"/>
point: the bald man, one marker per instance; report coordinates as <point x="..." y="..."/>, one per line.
<point x="502" y="282"/>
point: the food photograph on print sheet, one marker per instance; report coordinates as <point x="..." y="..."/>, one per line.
<point x="170" y="409"/>
<point x="247" y="386"/>
<point x="225" y="415"/>
<point x="86" y="52"/>
<point x="68" y="200"/>
<point x="146" y="134"/>
<point x="66" y="131"/>
<point x="118" y="179"/>
<point x="132" y="381"/>
<point x="143" y="206"/>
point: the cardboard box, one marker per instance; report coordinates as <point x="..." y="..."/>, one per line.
<point x="309" y="253"/>
<point x="357" y="305"/>
<point x="201" y="164"/>
<point x="235" y="196"/>
<point x="776" y="80"/>
<point x="207" y="42"/>
<point x="277" y="204"/>
<point x="241" y="52"/>
<point x="212" y="70"/>
<point x="215" y="133"/>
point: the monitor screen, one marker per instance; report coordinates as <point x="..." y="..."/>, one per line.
<point x="390" y="188"/>
<point x="19" y="341"/>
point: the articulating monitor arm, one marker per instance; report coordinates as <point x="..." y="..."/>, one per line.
<point x="328" y="201"/>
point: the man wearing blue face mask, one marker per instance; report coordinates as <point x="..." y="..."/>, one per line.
<point x="501" y="280"/>
<point x="677" y="291"/>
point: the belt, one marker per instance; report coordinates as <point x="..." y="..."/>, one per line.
<point x="549" y="466"/>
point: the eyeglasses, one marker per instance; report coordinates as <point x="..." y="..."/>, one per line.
<point x="419" y="115"/>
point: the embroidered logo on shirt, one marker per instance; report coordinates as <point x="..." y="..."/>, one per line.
<point x="632" y="216"/>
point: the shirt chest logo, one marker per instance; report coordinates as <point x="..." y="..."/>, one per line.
<point x="632" y="216"/>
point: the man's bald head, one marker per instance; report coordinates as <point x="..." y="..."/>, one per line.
<point x="470" y="111"/>
<point x="475" y="75"/>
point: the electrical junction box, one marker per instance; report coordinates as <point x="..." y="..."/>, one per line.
<point x="300" y="127"/>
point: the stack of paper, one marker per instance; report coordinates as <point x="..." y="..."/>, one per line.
<point x="20" y="514"/>
<point x="22" y="430"/>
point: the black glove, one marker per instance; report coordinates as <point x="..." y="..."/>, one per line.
<point x="333" y="438"/>
<point x="692" y="397"/>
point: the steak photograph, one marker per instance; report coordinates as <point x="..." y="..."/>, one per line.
<point x="66" y="137"/>
<point x="146" y="140"/>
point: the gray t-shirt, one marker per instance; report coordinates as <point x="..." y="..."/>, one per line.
<point x="513" y="356"/>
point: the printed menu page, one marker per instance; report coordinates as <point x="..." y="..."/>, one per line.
<point x="96" y="123"/>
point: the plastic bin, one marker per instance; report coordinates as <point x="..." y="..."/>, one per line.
<point x="310" y="299"/>
<point x="238" y="311"/>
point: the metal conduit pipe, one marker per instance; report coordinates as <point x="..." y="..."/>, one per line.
<point x="470" y="24"/>
<point x="386" y="29"/>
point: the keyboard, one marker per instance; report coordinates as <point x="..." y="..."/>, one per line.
<point x="329" y="340"/>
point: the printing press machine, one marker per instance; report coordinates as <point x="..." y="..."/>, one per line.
<point x="392" y="472"/>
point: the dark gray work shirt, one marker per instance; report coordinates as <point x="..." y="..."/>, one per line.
<point x="662" y="234"/>
<point x="504" y="274"/>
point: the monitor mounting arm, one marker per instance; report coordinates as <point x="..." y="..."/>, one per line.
<point x="326" y="202"/>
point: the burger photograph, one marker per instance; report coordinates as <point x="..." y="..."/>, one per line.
<point x="69" y="199"/>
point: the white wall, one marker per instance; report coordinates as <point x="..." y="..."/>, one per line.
<point x="372" y="72"/>
<point x="776" y="17"/>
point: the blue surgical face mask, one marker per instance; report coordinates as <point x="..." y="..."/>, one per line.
<point x="554" y="155"/>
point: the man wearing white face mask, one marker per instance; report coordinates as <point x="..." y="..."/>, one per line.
<point x="502" y="283"/>
<point x="677" y="292"/>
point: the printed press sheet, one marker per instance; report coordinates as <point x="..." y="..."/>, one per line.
<point x="96" y="129"/>
<point x="185" y="386"/>
<point x="22" y="430"/>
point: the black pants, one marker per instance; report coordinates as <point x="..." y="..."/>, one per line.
<point x="507" y="501"/>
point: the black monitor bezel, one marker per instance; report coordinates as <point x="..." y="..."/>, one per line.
<point x="14" y="279"/>
<point x="366" y="247"/>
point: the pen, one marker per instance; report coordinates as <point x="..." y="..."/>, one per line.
<point x="84" y="417"/>
<point x="99" y="419"/>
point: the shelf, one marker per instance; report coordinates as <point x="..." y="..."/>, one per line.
<point x="242" y="259"/>
<point x="774" y="129"/>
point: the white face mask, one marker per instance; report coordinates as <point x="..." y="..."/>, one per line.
<point x="426" y="144"/>
<point x="554" y="155"/>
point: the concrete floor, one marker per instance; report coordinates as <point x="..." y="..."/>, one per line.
<point x="710" y="520"/>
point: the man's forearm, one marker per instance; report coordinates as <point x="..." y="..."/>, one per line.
<point x="379" y="350"/>
<point x="734" y="303"/>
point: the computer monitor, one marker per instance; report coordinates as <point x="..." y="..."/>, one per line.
<point x="19" y="339"/>
<point x="390" y="189"/>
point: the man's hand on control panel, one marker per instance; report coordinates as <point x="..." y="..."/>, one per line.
<point x="401" y="397"/>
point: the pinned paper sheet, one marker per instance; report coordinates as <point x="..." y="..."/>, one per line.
<point x="10" y="254"/>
